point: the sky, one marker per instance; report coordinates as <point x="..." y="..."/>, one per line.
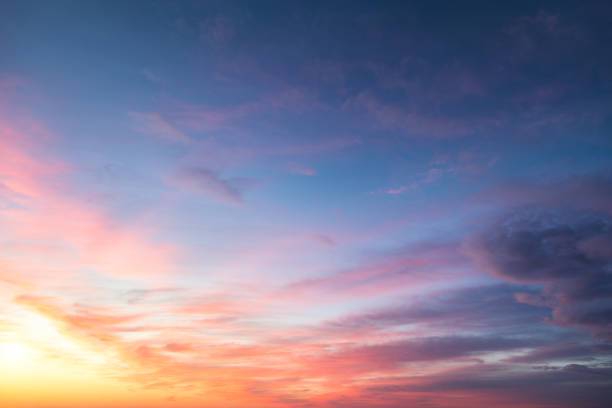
<point x="279" y="204"/>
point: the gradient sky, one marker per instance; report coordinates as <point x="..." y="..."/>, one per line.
<point x="305" y="204"/>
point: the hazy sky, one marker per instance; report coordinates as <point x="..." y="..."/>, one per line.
<point x="305" y="204"/>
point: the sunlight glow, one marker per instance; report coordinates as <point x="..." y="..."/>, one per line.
<point x="13" y="354"/>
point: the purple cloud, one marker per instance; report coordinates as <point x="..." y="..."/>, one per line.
<point x="402" y="270"/>
<point x="211" y="184"/>
<point x="156" y="124"/>
<point x="398" y="117"/>
<point x="390" y="355"/>
<point x="581" y="193"/>
<point x="564" y="253"/>
<point x="562" y="352"/>
<point x="483" y="308"/>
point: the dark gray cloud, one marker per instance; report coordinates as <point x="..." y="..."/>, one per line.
<point x="483" y="308"/>
<point x="567" y="254"/>
<point x="572" y="385"/>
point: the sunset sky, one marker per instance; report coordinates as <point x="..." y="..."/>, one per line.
<point x="268" y="204"/>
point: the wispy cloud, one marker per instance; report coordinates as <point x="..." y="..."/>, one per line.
<point x="40" y="199"/>
<point x="304" y="171"/>
<point x="151" y="76"/>
<point x="211" y="184"/>
<point x="408" y="269"/>
<point x="155" y="124"/>
<point x="411" y="123"/>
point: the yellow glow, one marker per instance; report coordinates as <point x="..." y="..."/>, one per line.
<point x="69" y="369"/>
<point x="13" y="354"/>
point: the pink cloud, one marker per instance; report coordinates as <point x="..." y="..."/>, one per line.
<point x="304" y="171"/>
<point x="211" y="184"/>
<point x="399" y="190"/>
<point x="397" y="272"/>
<point x="41" y="208"/>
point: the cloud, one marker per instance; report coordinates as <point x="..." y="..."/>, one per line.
<point x="531" y="35"/>
<point x="572" y="385"/>
<point x="411" y="123"/>
<point x="562" y="352"/>
<point x="151" y="76"/>
<point x="565" y="253"/>
<point x="403" y="270"/>
<point x="484" y="308"/>
<point x="325" y="240"/>
<point x="182" y="118"/>
<point x="419" y="180"/>
<point x="38" y="197"/>
<point x="153" y="363"/>
<point x="465" y="164"/>
<point x="156" y="124"/>
<point x="217" y="30"/>
<point x="178" y="347"/>
<point x="160" y="295"/>
<point x="588" y="193"/>
<point x="211" y="184"/>
<point x="85" y="318"/>
<point x="399" y="190"/>
<point x="303" y="171"/>
<point x="392" y="355"/>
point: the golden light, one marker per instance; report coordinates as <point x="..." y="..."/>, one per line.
<point x="13" y="354"/>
